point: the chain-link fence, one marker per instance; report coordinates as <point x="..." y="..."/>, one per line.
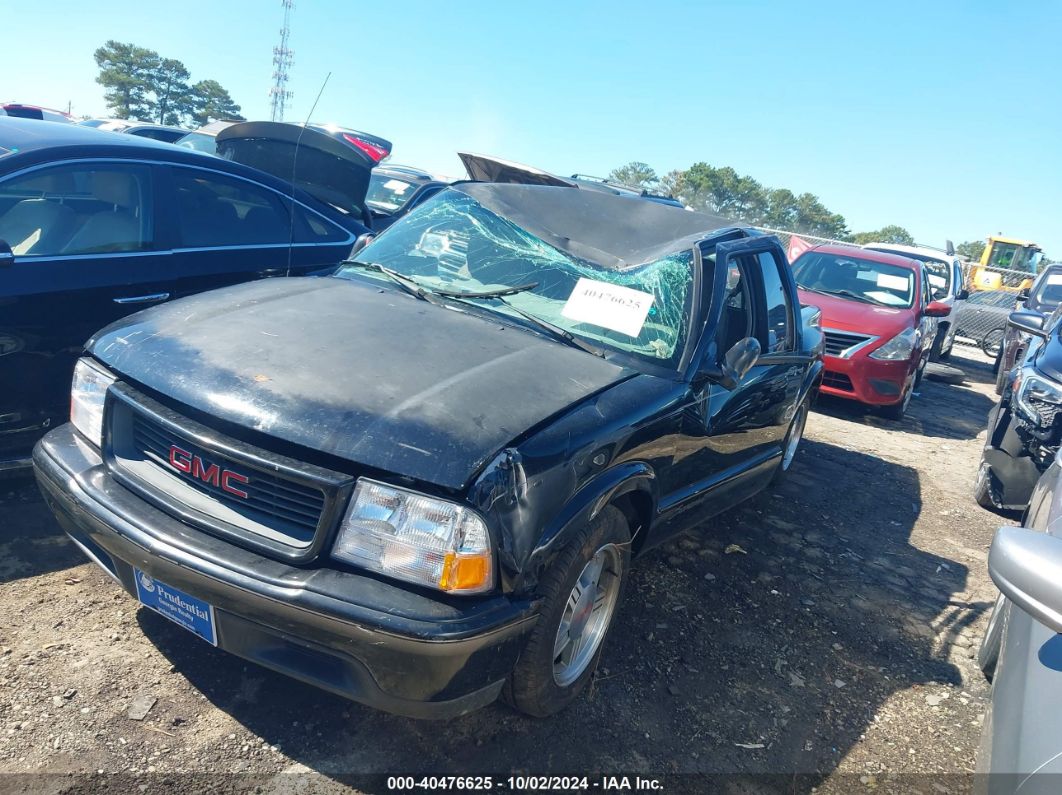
<point x="979" y="319"/>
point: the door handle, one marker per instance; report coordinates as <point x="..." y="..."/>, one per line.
<point x="143" y="299"/>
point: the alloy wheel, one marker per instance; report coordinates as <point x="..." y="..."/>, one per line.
<point x="587" y="615"/>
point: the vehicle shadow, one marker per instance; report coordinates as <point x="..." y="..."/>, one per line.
<point x="764" y="642"/>
<point x="940" y="409"/>
<point x="31" y="541"/>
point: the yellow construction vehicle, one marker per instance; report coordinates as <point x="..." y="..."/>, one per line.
<point x="1006" y="264"/>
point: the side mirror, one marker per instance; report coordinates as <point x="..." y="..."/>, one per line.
<point x="362" y="241"/>
<point x="1023" y="294"/>
<point x="1026" y="565"/>
<point x="7" y="256"/>
<point x="949" y="248"/>
<point x="1029" y="322"/>
<point x="736" y="363"/>
<point x="963" y="294"/>
<point x="937" y="309"/>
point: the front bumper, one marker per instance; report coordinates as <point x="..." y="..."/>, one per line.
<point x="363" y="638"/>
<point x="867" y="380"/>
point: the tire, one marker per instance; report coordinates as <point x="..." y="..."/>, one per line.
<point x="542" y="684"/>
<point x="983" y="488"/>
<point x="992" y="642"/>
<point x="897" y="411"/>
<point x="991" y="342"/>
<point x="935" y="353"/>
<point x="921" y="371"/>
<point x="792" y="441"/>
<point x="945" y="354"/>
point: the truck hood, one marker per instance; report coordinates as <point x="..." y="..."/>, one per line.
<point x="844" y="314"/>
<point x="357" y="371"/>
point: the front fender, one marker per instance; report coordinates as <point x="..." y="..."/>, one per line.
<point x="812" y="382"/>
<point x="585" y="504"/>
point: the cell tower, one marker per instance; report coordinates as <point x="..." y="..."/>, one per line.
<point x="282" y="57"/>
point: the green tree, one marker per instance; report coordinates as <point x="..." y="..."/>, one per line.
<point x="812" y="218"/>
<point x="723" y="191"/>
<point x="887" y="234"/>
<point x="971" y="250"/>
<point x="173" y="96"/>
<point x="211" y="102"/>
<point x="635" y="174"/>
<point x="127" y="76"/>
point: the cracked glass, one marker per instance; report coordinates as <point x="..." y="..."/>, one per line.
<point x="453" y="243"/>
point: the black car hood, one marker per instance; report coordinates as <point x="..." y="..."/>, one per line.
<point x="357" y="371"/>
<point x="1049" y="358"/>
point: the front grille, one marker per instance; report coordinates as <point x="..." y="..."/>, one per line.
<point x="270" y="499"/>
<point x="841" y="343"/>
<point x="219" y="484"/>
<point x="837" y="381"/>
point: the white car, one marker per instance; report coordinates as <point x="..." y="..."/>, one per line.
<point x="946" y="282"/>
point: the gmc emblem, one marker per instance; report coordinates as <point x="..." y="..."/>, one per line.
<point x="212" y="474"/>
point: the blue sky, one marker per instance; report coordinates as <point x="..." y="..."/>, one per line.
<point x="943" y="117"/>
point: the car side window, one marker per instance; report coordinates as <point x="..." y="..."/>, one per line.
<point x="218" y="210"/>
<point x="780" y="335"/>
<point x="313" y="228"/>
<point x="736" y="320"/>
<point x="73" y="209"/>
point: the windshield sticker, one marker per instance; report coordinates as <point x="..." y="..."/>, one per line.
<point x="1055" y="278"/>
<point x="937" y="281"/>
<point x="397" y="185"/>
<point x="608" y="306"/>
<point x="892" y="282"/>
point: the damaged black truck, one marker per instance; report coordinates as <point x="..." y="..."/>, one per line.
<point x="418" y="483"/>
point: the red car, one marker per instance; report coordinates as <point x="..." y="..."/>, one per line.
<point x="878" y="320"/>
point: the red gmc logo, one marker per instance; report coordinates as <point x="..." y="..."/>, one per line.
<point x="184" y="461"/>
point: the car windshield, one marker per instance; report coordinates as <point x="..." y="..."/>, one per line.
<point x="452" y="243"/>
<point x="857" y="279"/>
<point x="1049" y="293"/>
<point x="938" y="271"/>
<point x="388" y="193"/>
<point x="200" y="142"/>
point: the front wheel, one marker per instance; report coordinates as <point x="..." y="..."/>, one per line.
<point x="579" y="595"/>
<point x="986" y="488"/>
<point x="897" y="411"/>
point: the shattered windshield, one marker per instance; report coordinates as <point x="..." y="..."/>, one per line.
<point x="451" y="243"/>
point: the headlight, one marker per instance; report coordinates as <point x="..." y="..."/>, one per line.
<point x="898" y="348"/>
<point x="87" y="393"/>
<point x="1039" y="399"/>
<point x="417" y="538"/>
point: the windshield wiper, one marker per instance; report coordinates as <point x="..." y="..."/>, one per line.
<point x="407" y="283"/>
<point x="554" y="331"/>
<point x="849" y="294"/>
<point x="520" y="288"/>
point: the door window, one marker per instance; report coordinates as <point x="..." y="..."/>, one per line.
<point x="91" y="208"/>
<point x="736" y="321"/>
<point x="779" y="307"/>
<point x="217" y="210"/>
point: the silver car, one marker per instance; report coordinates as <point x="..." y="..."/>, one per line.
<point x="1022" y="650"/>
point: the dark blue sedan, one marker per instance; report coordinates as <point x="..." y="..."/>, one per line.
<point x="94" y="226"/>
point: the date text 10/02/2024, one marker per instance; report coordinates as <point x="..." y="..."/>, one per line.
<point x="525" y="783"/>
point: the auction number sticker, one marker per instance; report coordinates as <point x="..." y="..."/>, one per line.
<point x="608" y="306"/>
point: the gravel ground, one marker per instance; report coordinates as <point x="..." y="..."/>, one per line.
<point x="827" y="628"/>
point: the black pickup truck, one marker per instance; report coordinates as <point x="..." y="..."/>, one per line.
<point x="419" y="482"/>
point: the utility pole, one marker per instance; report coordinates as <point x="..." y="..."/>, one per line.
<point x="282" y="59"/>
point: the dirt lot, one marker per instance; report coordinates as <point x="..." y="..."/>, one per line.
<point x="827" y="628"/>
